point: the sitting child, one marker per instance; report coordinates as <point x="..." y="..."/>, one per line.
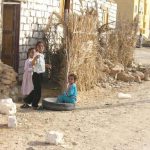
<point x="71" y="94"/>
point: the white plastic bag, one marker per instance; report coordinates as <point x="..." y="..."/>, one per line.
<point x="7" y="106"/>
<point x="12" y="121"/>
<point x="54" y="137"/>
<point x="124" y="96"/>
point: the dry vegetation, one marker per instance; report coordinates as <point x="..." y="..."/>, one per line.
<point x="119" y="43"/>
<point x="88" y="50"/>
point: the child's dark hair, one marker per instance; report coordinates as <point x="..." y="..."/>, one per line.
<point x="73" y="75"/>
<point x="29" y="51"/>
<point x="39" y="42"/>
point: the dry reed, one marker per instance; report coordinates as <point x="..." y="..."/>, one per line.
<point x="87" y="46"/>
<point x="119" y="43"/>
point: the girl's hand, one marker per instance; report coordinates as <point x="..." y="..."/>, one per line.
<point x="36" y="57"/>
<point x="48" y="66"/>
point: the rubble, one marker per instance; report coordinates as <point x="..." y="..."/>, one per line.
<point x="125" y="77"/>
<point x="8" y="82"/>
<point x="117" y="75"/>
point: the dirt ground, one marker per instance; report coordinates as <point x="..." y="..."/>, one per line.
<point x="101" y="121"/>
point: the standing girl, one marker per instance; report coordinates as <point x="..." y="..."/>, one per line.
<point x="27" y="84"/>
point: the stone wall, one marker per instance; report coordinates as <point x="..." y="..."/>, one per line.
<point x="103" y="6"/>
<point x="0" y="27"/>
<point x="34" y="17"/>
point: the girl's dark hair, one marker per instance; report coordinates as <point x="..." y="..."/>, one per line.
<point x="29" y="51"/>
<point x="39" y="42"/>
<point x="73" y="75"/>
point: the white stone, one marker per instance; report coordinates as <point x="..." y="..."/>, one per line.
<point x="54" y="137"/>
<point x="20" y="77"/>
<point x="21" y="63"/>
<point x="32" y="41"/>
<point x="24" y="5"/>
<point x="21" y="70"/>
<point x="41" y="34"/>
<point x="26" y="27"/>
<point x="38" y="14"/>
<point x="21" y="26"/>
<point x="34" y="19"/>
<point x="7" y="106"/>
<point x="47" y="14"/>
<point x="40" y="21"/>
<point x="30" y="20"/>
<point x="124" y="96"/>
<point x="32" y="13"/>
<point x="35" y="34"/>
<point x="23" y="20"/>
<point x="28" y="33"/>
<point x="26" y="13"/>
<point x="22" y="34"/>
<point x="12" y="121"/>
<point x="34" y="27"/>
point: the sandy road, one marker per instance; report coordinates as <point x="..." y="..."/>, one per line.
<point x="100" y="122"/>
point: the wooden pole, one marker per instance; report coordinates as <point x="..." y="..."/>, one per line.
<point x="1" y="25"/>
<point x="66" y="19"/>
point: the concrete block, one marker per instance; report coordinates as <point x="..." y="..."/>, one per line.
<point x="26" y="27"/>
<point x="32" y="13"/>
<point x="35" y="34"/>
<point x="23" y="20"/>
<point x="24" y="5"/>
<point x="30" y="20"/>
<point x="38" y="14"/>
<point x="32" y="41"/>
<point x="40" y="21"/>
<point x="21" y="70"/>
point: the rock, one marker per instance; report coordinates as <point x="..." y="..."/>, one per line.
<point x="140" y="74"/>
<point x="125" y="77"/>
<point x="54" y="137"/>
<point x="118" y="68"/>
<point x="109" y="63"/>
<point x="7" y="106"/>
<point x="124" y="96"/>
<point x="12" y="121"/>
<point x="105" y="85"/>
<point x="7" y="81"/>
<point x="137" y="79"/>
<point x="147" y="75"/>
<point x="74" y="143"/>
<point x="106" y="69"/>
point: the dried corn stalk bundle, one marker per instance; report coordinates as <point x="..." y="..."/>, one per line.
<point x="8" y="82"/>
<point x="84" y="57"/>
<point x="120" y="42"/>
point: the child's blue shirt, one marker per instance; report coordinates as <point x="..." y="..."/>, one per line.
<point x="72" y="91"/>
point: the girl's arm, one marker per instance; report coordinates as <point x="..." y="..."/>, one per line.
<point x="34" y="60"/>
<point x="48" y="66"/>
<point x="28" y="66"/>
<point x="70" y="91"/>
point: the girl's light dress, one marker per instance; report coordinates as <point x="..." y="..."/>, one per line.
<point x="27" y="84"/>
<point x="69" y="96"/>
